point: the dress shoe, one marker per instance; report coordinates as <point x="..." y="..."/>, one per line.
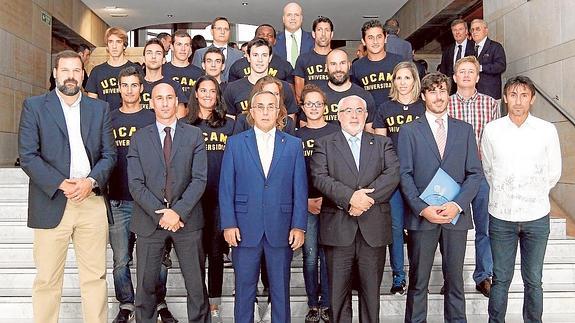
<point x="124" y="316"/>
<point x="166" y="316"/>
<point x="484" y="287"/>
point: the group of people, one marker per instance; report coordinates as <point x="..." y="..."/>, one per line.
<point x="286" y="146"/>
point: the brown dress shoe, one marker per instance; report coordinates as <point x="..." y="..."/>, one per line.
<point x="484" y="287"/>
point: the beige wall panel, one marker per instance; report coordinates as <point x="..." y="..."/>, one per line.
<point x="98" y="30"/>
<point x="44" y="4"/>
<point x="545" y="19"/>
<point x="6" y="54"/>
<point x="563" y="193"/>
<point x="23" y="58"/>
<point x="41" y="31"/>
<point x="9" y="148"/>
<point x="82" y="20"/>
<point x="568" y="84"/>
<point x="63" y="10"/>
<point x="518" y="30"/>
<point x="567" y="20"/>
<point x="567" y="137"/>
<point x="41" y="62"/>
<point x="11" y="17"/>
<point x="6" y="110"/>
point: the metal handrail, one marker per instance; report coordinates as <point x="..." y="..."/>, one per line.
<point x="555" y="104"/>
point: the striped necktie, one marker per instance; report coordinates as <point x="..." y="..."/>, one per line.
<point x="440" y="136"/>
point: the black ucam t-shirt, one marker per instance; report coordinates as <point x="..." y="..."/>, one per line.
<point x="333" y="97"/>
<point x="147" y="93"/>
<point x="375" y="76"/>
<point x="124" y="125"/>
<point x="103" y="81"/>
<point x="237" y="95"/>
<point x="308" y="137"/>
<point x="215" y="139"/>
<point x="312" y="68"/>
<point x="279" y="68"/>
<point x="392" y="115"/>
<point x="186" y="76"/>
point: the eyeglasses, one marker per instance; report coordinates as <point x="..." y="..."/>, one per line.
<point x="268" y="108"/>
<point x="350" y="111"/>
<point x="317" y="104"/>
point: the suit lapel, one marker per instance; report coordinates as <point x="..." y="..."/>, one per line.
<point x="427" y="135"/>
<point x="484" y="49"/>
<point x="155" y="139"/>
<point x="279" y="145"/>
<point x="345" y="151"/>
<point x="452" y="133"/>
<point x="252" y="147"/>
<point x="366" y="149"/>
<point x="85" y="118"/>
<point x="55" y="108"/>
<point x="177" y="139"/>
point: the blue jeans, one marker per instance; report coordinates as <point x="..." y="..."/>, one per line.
<point x="121" y="241"/>
<point x="483" y="258"/>
<point x="396" y="254"/>
<point x="532" y="237"/>
<point x="311" y="252"/>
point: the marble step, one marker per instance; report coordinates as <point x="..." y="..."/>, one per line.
<point x="559" y="304"/>
<point x="22" y="279"/>
<point x="13" y="175"/>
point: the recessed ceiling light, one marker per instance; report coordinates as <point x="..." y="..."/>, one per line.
<point x="370" y="17"/>
<point x="245" y="3"/>
<point x="170" y="15"/>
<point x="113" y="8"/>
<point x="119" y="15"/>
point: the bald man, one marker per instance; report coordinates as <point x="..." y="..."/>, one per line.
<point x="293" y="41"/>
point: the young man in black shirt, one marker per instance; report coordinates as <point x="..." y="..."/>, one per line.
<point x="279" y="67"/>
<point x="180" y="69"/>
<point x="310" y="67"/>
<point x="373" y="72"/>
<point x="103" y="81"/>
<point x="125" y="122"/>
<point x="237" y="93"/>
<point x="214" y="63"/>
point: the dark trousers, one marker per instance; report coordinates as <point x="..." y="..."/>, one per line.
<point x="532" y="237"/>
<point x="214" y="247"/>
<point x="149" y="252"/>
<point x="370" y="262"/>
<point x="247" y="267"/>
<point x="421" y="246"/>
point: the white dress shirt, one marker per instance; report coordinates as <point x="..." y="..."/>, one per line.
<point x="433" y="125"/>
<point x="463" y="47"/>
<point x="521" y="165"/>
<point x="79" y="162"/>
<point x="297" y="35"/>
<point x="265" y="142"/>
<point x="162" y="133"/>
<point x="358" y="136"/>
<point x="481" y="45"/>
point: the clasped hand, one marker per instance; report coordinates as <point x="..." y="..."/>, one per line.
<point x="360" y="201"/>
<point x="440" y="214"/>
<point x="76" y="189"/>
<point x="170" y="220"/>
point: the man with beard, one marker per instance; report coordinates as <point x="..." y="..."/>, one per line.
<point x="279" y="67"/>
<point x="339" y="86"/>
<point x="67" y="149"/>
<point x="310" y="66"/>
<point x="436" y="142"/>
<point x="180" y="69"/>
<point x="103" y="81"/>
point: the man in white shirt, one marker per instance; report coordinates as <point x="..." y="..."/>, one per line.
<point x="522" y="162"/>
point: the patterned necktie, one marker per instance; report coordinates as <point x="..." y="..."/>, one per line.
<point x="440" y="136"/>
<point x="294" y="50"/>
<point x="167" y="152"/>
<point x="459" y="48"/>
<point x="354" y="145"/>
<point x="477" y="51"/>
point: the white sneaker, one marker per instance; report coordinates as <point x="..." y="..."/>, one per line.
<point x="267" y="317"/>
<point x="257" y="317"/>
<point x="216" y="317"/>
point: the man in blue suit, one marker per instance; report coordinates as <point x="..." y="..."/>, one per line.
<point x="67" y="149"/>
<point x="293" y="41"/>
<point x="492" y="61"/>
<point x="431" y="142"/>
<point x="263" y="203"/>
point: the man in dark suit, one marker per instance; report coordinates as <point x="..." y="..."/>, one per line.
<point x="263" y="203"/>
<point x="461" y="48"/>
<point x="394" y="44"/>
<point x="431" y="142"/>
<point x="66" y="147"/>
<point x="492" y="61"/>
<point x="167" y="172"/>
<point x="356" y="172"/>
<point x="293" y="41"/>
<point x="221" y="35"/>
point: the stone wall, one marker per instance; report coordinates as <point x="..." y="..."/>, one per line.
<point x="25" y="54"/>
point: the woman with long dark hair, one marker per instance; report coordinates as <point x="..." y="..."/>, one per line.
<point x="208" y="112"/>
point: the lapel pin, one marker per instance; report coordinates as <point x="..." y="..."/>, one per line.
<point x="283" y="140"/>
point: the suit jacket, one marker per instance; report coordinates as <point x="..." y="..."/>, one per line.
<point x="493" y="63"/>
<point x="44" y="151"/>
<point x="306" y="45"/>
<point x="419" y="160"/>
<point x="232" y="56"/>
<point x="258" y="205"/>
<point x="336" y="176"/>
<point x="147" y="177"/>
<point x="401" y="47"/>
<point x="446" y="66"/>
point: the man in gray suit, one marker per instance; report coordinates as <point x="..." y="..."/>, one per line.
<point x="66" y="147"/>
<point x="356" y="172"/>
<point x="167" y="172"/>
<point x="221" y="35"/>
<point x="394" y="44"/>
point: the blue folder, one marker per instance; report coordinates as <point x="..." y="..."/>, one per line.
<point x="440" y="190"/>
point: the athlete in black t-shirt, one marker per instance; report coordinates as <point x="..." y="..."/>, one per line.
<point x="373" y="72"/>
<point x="237" y="93"/>
<point x="208" y="112"/>
<point x="103" y="80"/>
<point x="180" y="69"/>
<point x="310" y="67"/>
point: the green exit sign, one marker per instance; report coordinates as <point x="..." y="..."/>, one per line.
<point x="46" y="18"/>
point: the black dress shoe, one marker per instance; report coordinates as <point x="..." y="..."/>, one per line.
<point x="124" y="316"/>
<point x="442" y="290"/>
<point x="484" y="287"/>
<point x="166" y="316"/>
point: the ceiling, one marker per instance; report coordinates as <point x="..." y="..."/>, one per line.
<point x="347" y="15"/>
